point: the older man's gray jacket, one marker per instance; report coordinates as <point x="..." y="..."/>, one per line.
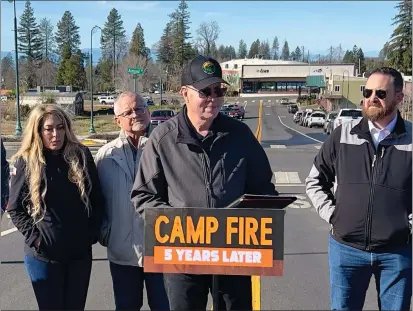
<point x="177" y="170"/>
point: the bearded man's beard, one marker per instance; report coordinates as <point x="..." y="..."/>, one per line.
<point x="375" y="111"/>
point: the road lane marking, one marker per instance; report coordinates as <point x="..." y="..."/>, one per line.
<point x="301" y="202"/>
<point x="268" y="114"/>
<point x="256" y="279"/>
<point x="278" y="146"/>
<point x="287" y="178"/>
<point x="6" y="232"/>
<point x="299" y="131"/>
<point x="317" y="147"/>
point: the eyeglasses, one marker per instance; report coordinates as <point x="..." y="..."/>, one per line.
<point x="139" y="111"/>
<point x="208" y="92"/>
<point x="379" y="93"/>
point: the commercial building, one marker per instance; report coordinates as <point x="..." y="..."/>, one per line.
<point x="252" y="77"/>
<point x="342" y="91"/>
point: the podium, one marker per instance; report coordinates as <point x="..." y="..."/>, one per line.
<point x="237" y="240"/>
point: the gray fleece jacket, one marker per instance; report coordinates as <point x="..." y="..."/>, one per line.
<point x="178" y="169"/>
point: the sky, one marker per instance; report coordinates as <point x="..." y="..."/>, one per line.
<point x="316" y="25"/>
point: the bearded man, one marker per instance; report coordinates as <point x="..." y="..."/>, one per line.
<point x="370" y="211"/>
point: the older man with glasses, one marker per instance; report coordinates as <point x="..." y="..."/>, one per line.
<point x="201" y="158"/>
<point x="122" y="233"/>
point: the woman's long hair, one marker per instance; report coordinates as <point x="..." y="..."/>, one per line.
<point x="32" y="152"/>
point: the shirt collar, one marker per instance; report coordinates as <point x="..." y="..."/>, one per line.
<point x="388" y="128"/>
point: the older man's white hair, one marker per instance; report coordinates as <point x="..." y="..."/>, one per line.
<point x="117" y="106"/>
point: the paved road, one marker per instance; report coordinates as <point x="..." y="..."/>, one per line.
<point x="291" y="150"/>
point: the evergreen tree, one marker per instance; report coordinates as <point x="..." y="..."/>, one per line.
<point x="275" y="48"/>
<point x="137" y="45"/>
<point x="254" y="49"/>
<point x="242" y="49"/>
<point x="48" y="43"/>
<point x="67" y="34"/>
<point x="285" y="53"/>
<point x="297" y="54"/>
<point x="399" y="49"/>
<point x="180" y="34"/>
<point x="29" y="35"/>
<point x="112" y="39"/>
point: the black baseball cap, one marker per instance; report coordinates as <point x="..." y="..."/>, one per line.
<point x="202" y="72"/>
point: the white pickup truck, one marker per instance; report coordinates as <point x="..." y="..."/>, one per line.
<point x="347" y="115"/>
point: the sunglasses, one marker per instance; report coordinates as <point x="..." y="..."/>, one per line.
<point x="379" y="93"/>
<point x="208" y="92"/>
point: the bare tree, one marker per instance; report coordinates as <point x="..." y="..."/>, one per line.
<point x="124" y="80"/>
<point x="46" y="73"/>
<point x="207" y="33"/>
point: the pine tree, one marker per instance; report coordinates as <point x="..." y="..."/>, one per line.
<point x="112" y="39"/>
<point x="29" y="35"/>
<point x="242" y="49"/>
<point x="254" y="49"/>
<point x="297" y="54"/>
<point x="399" y="49"/>
<point x="165" y="46"/>
<point x="275" y="48"/>
<point x="48" y="42"/>
<point x="285" y="53"/>
<point x="137" y="45"/>
<point x="180" y="21"/>
<point x="67" y="34"/>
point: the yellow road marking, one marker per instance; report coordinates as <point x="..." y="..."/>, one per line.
<point x="255" y="279"/>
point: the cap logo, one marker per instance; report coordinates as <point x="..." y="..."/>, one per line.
<point x="208" y="67"/>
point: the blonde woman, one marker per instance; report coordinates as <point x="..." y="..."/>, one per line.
<point x="55" y="201"/>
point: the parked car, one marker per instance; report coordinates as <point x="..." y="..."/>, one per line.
<point x="328" y="125"/>
<point x="293" y="108"/>
<point x="317" y="118"/>
<point x="107" y="100"/>
<point x="284" y="101"/>
<point x="236" y="112"/>
<point x="347" y="115"/>
<point x="304" y="116"/>
<point x="297" y="116"/>
<point x="225" y="110"/>
<point x="160" y="116"/>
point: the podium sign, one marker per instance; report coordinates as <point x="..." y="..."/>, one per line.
<point x="232" y="241"/>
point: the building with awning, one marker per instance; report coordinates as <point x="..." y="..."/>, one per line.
<point x="252" y="77"/>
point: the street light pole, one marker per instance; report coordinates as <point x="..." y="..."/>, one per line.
<point x="92" y="128"/>
<point x="16" y="56"/>
<point x="348" y="84"/>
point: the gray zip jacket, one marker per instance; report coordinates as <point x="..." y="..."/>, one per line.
<point x="176" y="171"/>
<point x="122" y="230"/>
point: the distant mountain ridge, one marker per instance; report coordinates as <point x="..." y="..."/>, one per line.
<point x="96" y="54"/>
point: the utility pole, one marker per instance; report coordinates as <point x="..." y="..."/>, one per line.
<point x="114" y="57"/>
<point x="18" y="131"/>
<point x="92" y="128"/>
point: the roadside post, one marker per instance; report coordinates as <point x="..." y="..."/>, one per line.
<point x="245" y="238"/>
<point x="135" y="72"/>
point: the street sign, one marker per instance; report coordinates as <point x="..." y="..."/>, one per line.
<point x="135" y="71"/>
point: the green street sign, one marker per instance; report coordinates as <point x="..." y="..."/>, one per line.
<point x="135" y="71"/>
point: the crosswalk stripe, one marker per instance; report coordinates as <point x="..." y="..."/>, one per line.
<point x="287" y="178"/>
<point x="278" y="146"/>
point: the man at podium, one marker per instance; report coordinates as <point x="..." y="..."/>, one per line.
<point x="201" y="158"/>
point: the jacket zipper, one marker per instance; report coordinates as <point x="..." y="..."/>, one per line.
<point x="369" y="208"/>
<point x="204" y="158"/>
<point x="376" y="162"/>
